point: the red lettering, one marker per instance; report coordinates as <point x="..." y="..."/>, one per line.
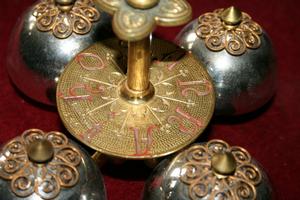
<point x="196" y="123"/>
<point x="96" y="64"/>
<point x="143" y="145"/>
<point x="185" y="89"/>
<point x="74" y="92"/>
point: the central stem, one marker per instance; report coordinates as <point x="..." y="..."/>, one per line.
<point x="137" y="88"/>
<point x="138" y="65"/>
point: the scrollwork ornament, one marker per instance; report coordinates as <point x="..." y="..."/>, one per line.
<point x="47" y="179"/>
<point x="79" y="19"/>
<point x="235" y="39"/>
<point x="203" y="182"/>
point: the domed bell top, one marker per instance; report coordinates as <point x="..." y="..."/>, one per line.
<point x="40" y="165"/>
<point x="238" y="55"/>
<point x="212" y="170"/>
<point x="46" y="38"/>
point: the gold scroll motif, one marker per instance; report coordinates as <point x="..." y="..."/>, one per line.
<point x="234" y="39"/>
<point x="45" y="180"/>
<point x="78" y="20"/>
<point x="203" y="182"/>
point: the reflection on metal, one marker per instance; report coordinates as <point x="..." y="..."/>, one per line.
<point x="209" y="171"/>
<point x="218" y="170"/>
<point x="229" y="29"/>
<point x="163" y="102"/>
<point x="40" y="163"/>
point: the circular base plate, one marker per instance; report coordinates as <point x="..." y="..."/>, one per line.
<point x="92" y="109"/>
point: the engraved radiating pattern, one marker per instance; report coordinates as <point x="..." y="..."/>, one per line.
<point x="47" y="179"/>
<point x="197" y="173"/>
<point x="183" y="101"/>
<point x="235" y="39"/>
<point x="62" y="24"/>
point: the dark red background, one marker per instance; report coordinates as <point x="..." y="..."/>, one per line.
<point x="271" y="134"/>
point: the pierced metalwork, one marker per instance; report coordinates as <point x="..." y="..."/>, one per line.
<point x="235" y="39"/>
<point x="47" y="179"/>
<point x="49" y="17"/>
<point x="203" y="181"/>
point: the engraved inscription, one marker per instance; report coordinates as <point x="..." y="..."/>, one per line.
<point x="82" y="92"/>
<point x="102" y="118"/>
<point x="195" y="122"/>
<point x="185" y="89"/>
<point x="92" y="61"/>
<point x="143" y="145"/>
<point x="92" y="132"/>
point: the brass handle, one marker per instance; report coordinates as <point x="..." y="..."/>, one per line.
<point x="134" y="21"/>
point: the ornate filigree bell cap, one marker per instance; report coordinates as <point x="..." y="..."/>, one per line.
<point x="40" y="165"/>
<point x="238" y="55"/>
<point x="212" y="170"/>
<point x="46" y="37"/>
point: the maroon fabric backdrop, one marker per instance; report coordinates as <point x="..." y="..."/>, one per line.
<point x="271" y="134"/>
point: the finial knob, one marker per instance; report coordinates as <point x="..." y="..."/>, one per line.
<point x="142" y="4"/>
<point x="232" y="16"/>
<point x="65" y="2"/>
<point x="65" y="5"/>
<point x="40" y="151"/>
<point x="223" y="164"/>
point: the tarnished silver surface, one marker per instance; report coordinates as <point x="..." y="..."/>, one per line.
<point x="242" y="83"/>
<point x="36" y="59"/>
<point x="90" y="185"/>
<point x="166" y="182"/>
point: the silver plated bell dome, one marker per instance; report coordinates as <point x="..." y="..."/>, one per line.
<point x="209" y="171"/>
<point x="38" y="165"/>
<point x="46" y="38"/>
<point x="238" y="55"/>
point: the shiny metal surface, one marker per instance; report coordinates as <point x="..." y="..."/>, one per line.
<point x="36" y="59"/>
<point x="242" y="83"/>
<point x="89" y="187"/>
<point x="165" y="183"/>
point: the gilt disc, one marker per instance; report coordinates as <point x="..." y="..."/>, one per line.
<point x="92" y="109"/>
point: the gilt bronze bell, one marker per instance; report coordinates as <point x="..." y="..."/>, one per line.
<point x="238" y="55"/>
<point x="38" y="165"/>
<point x="46" y="38"/>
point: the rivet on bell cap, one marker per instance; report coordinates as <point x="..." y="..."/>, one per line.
<point x="223" y="164"/>
<point x="40" y="151"/>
